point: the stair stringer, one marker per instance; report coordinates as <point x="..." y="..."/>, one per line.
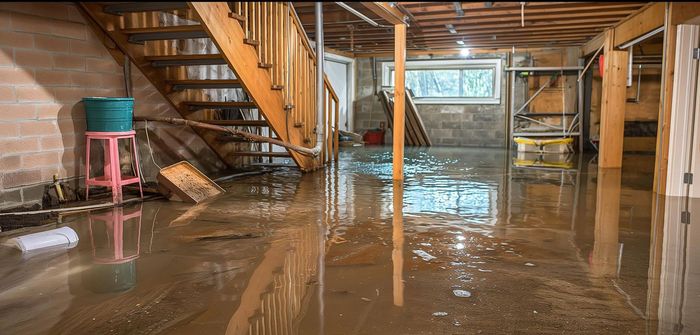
<point x="111" y="26"/>
<point x="228" y="36"/>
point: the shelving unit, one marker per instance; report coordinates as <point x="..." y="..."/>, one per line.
<point x="566" y="128"/>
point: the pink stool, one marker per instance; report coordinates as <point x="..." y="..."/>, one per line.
<point x="112" y="170"/>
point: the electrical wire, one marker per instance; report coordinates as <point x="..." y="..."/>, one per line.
<point x="150" y="149"/>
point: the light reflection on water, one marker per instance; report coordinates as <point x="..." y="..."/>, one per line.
<point x="346" y="250"/>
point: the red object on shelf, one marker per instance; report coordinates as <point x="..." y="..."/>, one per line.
<point x="374" y="137"/>
<point x="601" y="66"/>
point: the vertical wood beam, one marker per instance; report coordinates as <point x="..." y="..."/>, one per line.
<point x="399" y="98"/>
<point x="676" y="13"/>
<point x="612" y="112"/>
<point x="663" y="125"/>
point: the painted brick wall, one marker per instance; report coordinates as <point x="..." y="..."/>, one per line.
<point x="447" y="125"/>
<point x="49" y="61"/>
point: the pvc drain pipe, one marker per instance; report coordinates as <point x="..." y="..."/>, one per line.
<point x="60" y="237"/>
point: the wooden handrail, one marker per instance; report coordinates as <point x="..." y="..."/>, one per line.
<point x="329" y="87"/>
<point x="305" y="39"/>
<point x="284" y="48"/>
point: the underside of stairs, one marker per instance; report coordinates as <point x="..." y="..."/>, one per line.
<point x="238" y="64"/>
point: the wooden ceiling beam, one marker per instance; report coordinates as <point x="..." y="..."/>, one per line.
<point x="639" y="23"/>
<point x="593" y="30"/>
<point x="465" y="29"/>
<point x="475" y="44"/>
<point x="447" y="52"/>
<point x="452" y="50"/>
<point x="386" y="12"/>
<point x="528" y="17"/>
<point x="338" y="15"/>
<point x="469" y="43"/>
<point x="550" y="10"/>
<point x="539" y="21"/>
<point x="454" y="39"/>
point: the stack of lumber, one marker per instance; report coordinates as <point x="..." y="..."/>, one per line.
<point x="415" y="134"/>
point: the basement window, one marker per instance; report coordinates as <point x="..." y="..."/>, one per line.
<point x="464" y="81"/>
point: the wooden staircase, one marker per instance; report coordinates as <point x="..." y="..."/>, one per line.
<point x="268" y="84"/>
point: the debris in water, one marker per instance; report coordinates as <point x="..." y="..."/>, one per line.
<point x="535" y="312"/>
<point x="462" y="293"/>
<point x="490" y="249"/>
<point x="529" y="264"/>
<point x="440" y="314"/>
<point x="366" y="299"/>
<point x="484" y="270"/>
<point x="424" y="255"/>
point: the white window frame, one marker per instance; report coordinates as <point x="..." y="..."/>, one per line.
<point x="440" y="64"/>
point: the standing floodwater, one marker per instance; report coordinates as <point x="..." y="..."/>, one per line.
<point x="473" y="242"/>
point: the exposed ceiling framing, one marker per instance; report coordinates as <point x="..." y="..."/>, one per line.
<point x="477" y="24"/>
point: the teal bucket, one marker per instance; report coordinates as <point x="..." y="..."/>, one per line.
<point x="109" y="114"/>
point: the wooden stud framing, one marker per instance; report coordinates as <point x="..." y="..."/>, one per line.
<point x="612" y="119"/>
<point x="399" y="99"/>
<point x="676" y="13"/>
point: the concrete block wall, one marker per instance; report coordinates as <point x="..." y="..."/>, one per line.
<point x="49" y="60"/>
<point x="471" y="125"/>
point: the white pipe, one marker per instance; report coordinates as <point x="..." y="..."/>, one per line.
<point x="585" y="68"/>
<point x="320" y="91"/>
<point x="641" y="38"/>
<point x="60" y="237"/>
<point x="360" y="15"/>
<point x="629" y="65"/>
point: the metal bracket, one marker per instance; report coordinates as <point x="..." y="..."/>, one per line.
<point x="696" y="53"/>
<point x="687" y="178"/>
<point x="685" y="217"/>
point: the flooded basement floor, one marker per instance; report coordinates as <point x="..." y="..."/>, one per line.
<point x="473" y="242"/>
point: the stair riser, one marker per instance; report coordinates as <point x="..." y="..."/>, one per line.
<point x="180" y="35"/>
<point x="168" y="63"/>
<point x="133" y="7"/>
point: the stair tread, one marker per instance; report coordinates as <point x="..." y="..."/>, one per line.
<point x="225" y="138"/>
<point x="203" y="81"/>
<point x="131" y="7"/>
<point x="236" y="16"/>
<point x="183" y="57"/>
<point x="243" y="123"/>
<point x="260" y="153"/>
<point x="167" y="29"/>
<point x="221" y="103"/>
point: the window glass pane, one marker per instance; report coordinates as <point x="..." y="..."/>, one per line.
<point x="478" y="83"/>
<point x="433" y="83"/>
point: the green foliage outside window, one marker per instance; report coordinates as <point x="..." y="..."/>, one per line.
<point x="451" y="83"/>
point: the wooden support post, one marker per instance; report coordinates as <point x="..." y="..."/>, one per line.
<point x="612" y="113"/>
<point x="399" y="98"/>
<point x="676" y="13"/>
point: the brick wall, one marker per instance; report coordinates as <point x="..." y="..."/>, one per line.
<point x="447" y="125"/>
<point x="49" y="61"/>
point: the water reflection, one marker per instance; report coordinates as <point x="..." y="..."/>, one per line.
<point x="397" y="239"/>
<point x="678" y="266"/>
<point x="115" y="238"/>
<point x="470" y="239"/>
<point x="606" y="247"/>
